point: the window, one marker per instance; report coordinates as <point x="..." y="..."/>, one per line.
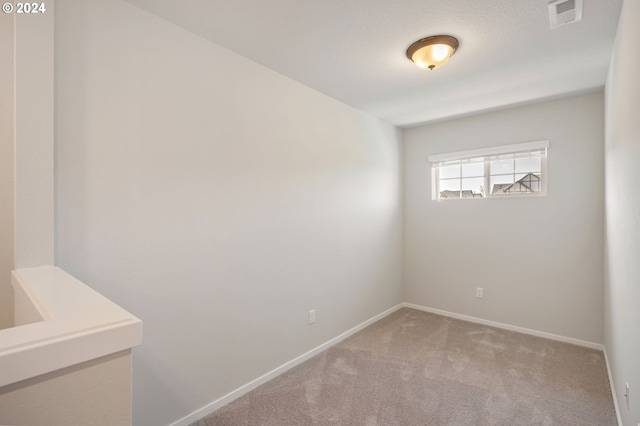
<point x="509" y="170"/>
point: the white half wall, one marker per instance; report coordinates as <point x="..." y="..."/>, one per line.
<point x="93" y="392"/>
<point x="217" y="201"/>
<point x="538" y="259"/>
<point x="622" y="241"/>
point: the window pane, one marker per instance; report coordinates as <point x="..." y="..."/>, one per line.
<point x="520" y="187"/>
<point x="449" y="188"/>
<point x="475" y="185"/>
<point x="519" y="176"/>
<point x="449" y="185"/>
<point x="500" y="184"/>
<point x="473" y="169"/>
<point x="526" y="165"/>
<point x="531" y="182"/>
<point x="450" y="171"/>
<point x="502" y="166"/>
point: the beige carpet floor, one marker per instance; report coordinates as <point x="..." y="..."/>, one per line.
<point x="417" y="368"/>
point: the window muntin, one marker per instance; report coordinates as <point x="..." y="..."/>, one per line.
<point x="518" y="170"/>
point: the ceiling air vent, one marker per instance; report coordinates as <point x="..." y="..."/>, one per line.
<point x="564" y="12"/>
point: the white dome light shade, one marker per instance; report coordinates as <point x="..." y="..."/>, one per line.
<point x="432" y="52"/>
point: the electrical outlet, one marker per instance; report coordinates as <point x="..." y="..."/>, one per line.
<point x="312" y="316"/>
<point x="626" y="390"/>
<point x="479" y="292"/>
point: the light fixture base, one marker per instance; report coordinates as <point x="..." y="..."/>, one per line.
<point x="432" y="52"/>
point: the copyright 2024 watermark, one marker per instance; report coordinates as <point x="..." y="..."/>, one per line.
<point x="24" y="8"/>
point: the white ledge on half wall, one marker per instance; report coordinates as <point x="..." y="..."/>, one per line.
<point x="60" y="322"/>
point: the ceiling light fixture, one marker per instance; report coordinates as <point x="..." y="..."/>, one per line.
<point x="432" y="52"/>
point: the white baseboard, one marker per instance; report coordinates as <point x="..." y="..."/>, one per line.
<point x="220" y="402"/>
<point x="533" y="333"/>
<point x="233" y="395"/>
<point x="613" y="388"/>
<point x="507" y="326"/>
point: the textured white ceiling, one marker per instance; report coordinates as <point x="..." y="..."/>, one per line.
<point x="354" y="50"/>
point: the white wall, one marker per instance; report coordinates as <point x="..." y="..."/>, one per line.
<point x="538" y="259"/>
<point x="622" y="153"/>
<point x="34" y="138"/>
<point x="217" y="201"/>
<point x="6" y="169"/>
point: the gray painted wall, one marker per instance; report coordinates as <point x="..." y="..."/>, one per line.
<point x="539" y="259"/>
<point x="216" y="200"/>
<point x="622" y="151"/>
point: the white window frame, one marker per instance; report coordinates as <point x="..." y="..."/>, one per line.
<point x="487" y="155"/>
